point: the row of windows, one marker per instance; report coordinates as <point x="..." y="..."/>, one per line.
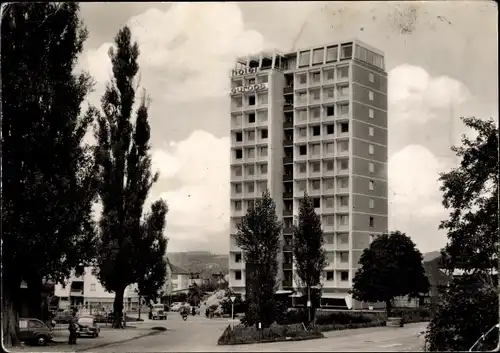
<point x="319" y="56"/>
<point x="315" y="94"/>
<point x="249" y="81"/>
<point x="237" y="102"/>
<point x="344" y="275"/>
<point x="328" y="75"/>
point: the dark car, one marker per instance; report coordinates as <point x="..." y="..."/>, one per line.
<point x="87" y="326"/>
<point x="34" y="331"/>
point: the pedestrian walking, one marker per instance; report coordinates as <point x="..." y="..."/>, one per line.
<point x="73" y="328"/>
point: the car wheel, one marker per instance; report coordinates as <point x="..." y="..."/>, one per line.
<point x="41" y="340"/>
<point x="95" y="335"/>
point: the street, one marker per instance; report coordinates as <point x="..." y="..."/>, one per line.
<point x="201" y="334"/>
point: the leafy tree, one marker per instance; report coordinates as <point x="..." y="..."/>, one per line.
<point x="131" y="249"/>
<point x="258" y="236"/>
<point x="470" y="192"/>
<point x="194" y="294"/>
<point x="390" y="267"/>
<point x="308" y="252"/>
<point x="48" y="185"/>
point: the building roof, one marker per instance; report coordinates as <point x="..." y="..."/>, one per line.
<point x="177" y="270"/>
<point x="433" y="271"/>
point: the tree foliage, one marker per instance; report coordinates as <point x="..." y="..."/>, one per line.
<point x="470" y="193"/>
<point x="309" y="254"/>
<point x="390" y="267"/>
<point x="194" y="294"/>
<point x="131" y="249"/>
<point x="259" y="237"/>
<point x="48" y="185"/>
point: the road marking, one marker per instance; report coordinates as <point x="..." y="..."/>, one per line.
<point x="391" y="345"/>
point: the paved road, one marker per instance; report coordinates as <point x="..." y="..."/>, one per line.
<point x="201" y="334"/>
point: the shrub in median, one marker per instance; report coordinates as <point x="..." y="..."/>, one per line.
<point x="275" y="333"/>
<point x="348" y="317"/>
<point x="338" y="327"/>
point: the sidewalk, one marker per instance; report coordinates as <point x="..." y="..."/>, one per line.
<point x="107" y="337"/>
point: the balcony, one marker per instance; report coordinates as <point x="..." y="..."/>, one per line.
<point x="288" y="195"/>
<point x="288" y="125"/>
<point x="287" y="213"/>
<point x="342" y="227"/>
<point x="233" y="265"/>
<point x="301" y="102"/>
<point x="343" y="171"/>
<point x="342" y="152"/>
<point x="342" y="208"/>
<point x="237" y="213"/>
<point x="342" y="246"/>
<point x="341" y="190"/>
<point x="288" y="247"/>
<point x="314" y="192"/>
<point x="287" y="160"/>
<point x="236" y="282"/>
<point x="287" y="177"/>
<point x="288" y="106"/>
<point x="288" y="89"/>
<point x="287" y="143"/>
<point x="236" y="107"/>
<point x="287" y="283"/>
<point x="76" y="292"/>
<point x="287" y="265"/>
<point x="342" y="265"/>
<point x="288" y="230"/>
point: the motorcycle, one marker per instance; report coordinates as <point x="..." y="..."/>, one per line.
<point x="184" y="315"/>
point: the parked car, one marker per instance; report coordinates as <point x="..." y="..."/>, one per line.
<point x="175" y="306"/>
<point x="34" y="331"/>
<point x="158" y="312"/>
<point x="87" y="326"/>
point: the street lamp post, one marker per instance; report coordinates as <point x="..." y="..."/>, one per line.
<point x="233" y="298"/>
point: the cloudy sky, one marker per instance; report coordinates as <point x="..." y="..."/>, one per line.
<point x="442" y="63"/>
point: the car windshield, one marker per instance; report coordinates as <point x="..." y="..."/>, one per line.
<point x="86" y="320"/>
<point x="487" y="343"/>
<point x="158" y="306"/>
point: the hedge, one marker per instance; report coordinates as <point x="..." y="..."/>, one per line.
<point x="275" y="333"/>
<point x="350" y="326"/>
<point x="412" y="315"/>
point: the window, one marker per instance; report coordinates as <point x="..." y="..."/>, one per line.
<point x="263" y="169"/>
<point x="328" y="93"/>
<point x="344" y="109"/>
<point x="302" y="78"/>
<point x="237" y="171"/>
<point x="330" y="111"/>
<point x="344" y="183"/>
<point x="250" y="153"/>
<point x="250" y="170"/>
<point x="174" y="276"/>
<point x="237" y="257"/>
<point x="371" y="77"/>
<point x="344" y="276"/>
<point x="316" y="149"/>
<point x="346" y="51"/>
<point x="263" y="151"/>
<point x="303" y="150"/>
<point x="35" y="324"/>
<point x="302" y="168"/>
<point x="344" y="257"/>
<point x="329" y="166"/>
<point x="344" y="128"/>
<point x="315" y="77"/>
<point x="262" y="186"/>
<point x="330" y="129"/>
<point x="344" y="220"/>
<point x="343" y="72"/>
<point x="329" y="184"/>
<point x="304" y="58"/>
<point x="315" y="95"/>
<point x="251" y="100"/>
<point x="236" y="120"/>
<point x="237" y="275"/>
<point x="237" y="102"/>
<point x="329" y="148"/>
<point x="344" y="201"/>
<point x="315" y="185"/>
<point x="238" y="153"/>
<point x="371" y="185"/>
<point x="263" y="79"/>
<point x="92" y="287"/>
<point x="250" y="187"/>
<point x="251" y="135"/>
<point x="302" y="115"/>
<point x="371" y="131"/>
<point x="370" y="95"/>
<point x="371" y="149"/>
<point x="237" y="205"/>
<point x="251" y="81"/>
<point x="239" y="137"/>
<point x="343" y="91"/>
<point x="370" y="113"/>
<point x="329" y="220"/>
<point x="251" y="118"/>
<point x="343" y="146"/>
<point x="318" y="56"/>
<point x="329" y="275"/>
<point x="250" y="204"/>
<point x="343" y="238"/>
<point x="371" y="203"/>
<point x="331" y="53"/>
<point x="371" y="167"/>
<point x="315" y="113"/>
<point x="237" y="188"/>
<point x="372" y="222"/>
<point x="262" y="116"/>
<point x="301" y="185"/>
<point x="263" y="98"/>
<point x="344" y="164"/>
<point x="236" y="83"/>
<point x="316" y="130"/>
<point x="329" y="202"/>
<point x="316" y="202"/>
<point x="328" y="75"/>
<point x="328" y="238"/>
<point x="263" y="133"/>
<point x="315" y="166"/>
<point x="301" y="97"/>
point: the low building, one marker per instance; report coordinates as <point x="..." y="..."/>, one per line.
<point x="179" y="279"/>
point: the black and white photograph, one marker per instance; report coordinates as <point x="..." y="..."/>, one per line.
<point x="250" y="176"/>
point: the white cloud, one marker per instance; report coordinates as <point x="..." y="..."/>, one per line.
<point x="199" y="210"/>
<point x="414" y="196"/>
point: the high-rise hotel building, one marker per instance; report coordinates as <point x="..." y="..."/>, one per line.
<point x="312" y="120"/>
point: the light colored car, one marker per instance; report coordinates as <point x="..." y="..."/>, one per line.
<point x="87" y="326"/>
<point x="178" y="305"/>
<point x="158" y="312"/>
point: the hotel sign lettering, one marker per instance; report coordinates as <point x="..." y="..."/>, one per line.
<point x="251" y="88"/>
<point x="247" y="71"/>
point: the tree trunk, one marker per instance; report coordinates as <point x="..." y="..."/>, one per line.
<point x="10" y="319"/>
<point x="388" y="306"/>
<point x="140" y="305"/>
<point x="118" y="309"/>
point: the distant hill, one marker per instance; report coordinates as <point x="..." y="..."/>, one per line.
<point x="200" y="261"/>
<point x="429" y="256"/>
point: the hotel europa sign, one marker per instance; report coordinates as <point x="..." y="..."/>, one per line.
<point x="252" y="88"/>
<point x="247" y="71"/>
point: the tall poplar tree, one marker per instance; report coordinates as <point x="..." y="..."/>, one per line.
<point x="127" y="254"/>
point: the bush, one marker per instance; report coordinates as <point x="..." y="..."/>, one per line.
<point x="347" y="317"/>
<point x="411" y="315"/>
<point x="275" y="333"/>
<point x="338" y="327"/>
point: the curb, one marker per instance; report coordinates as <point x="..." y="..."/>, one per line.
<point x="152" y="333"/>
